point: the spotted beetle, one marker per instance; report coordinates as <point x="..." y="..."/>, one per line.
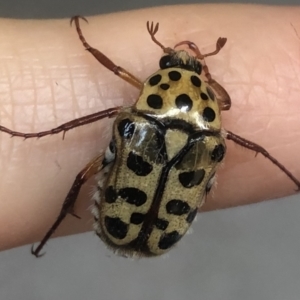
<point x="163" y="156"/>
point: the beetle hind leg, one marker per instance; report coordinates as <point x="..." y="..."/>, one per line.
<point x="92" y="168"/>
<point x="258" y="149"/>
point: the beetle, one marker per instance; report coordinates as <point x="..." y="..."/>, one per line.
<point x="163" y="155"/>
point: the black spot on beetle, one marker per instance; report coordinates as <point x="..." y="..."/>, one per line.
<point x="208" y="114"/>
<point x="168" y="240"/>
<point x="174" y="75"/>
<point x="137" y="218"/>
<point x="161" y="224"/>
<point x="133" y="196"/>
<point x="218" y="153"/>
<point x="164" y="86"/>
<point x="184" y="102"/>
<point x="154" y="80"/>
<point x="204" y="96"/>
<point x="190" y="179"/>
<point x="126" y="128"/>
<point x="191" y="216"/>
<point x="110" y="195"/>
<point x="177" y="207"/>
<point x="155" y="101"/>
<point x="116" y="227"/>
<point x="195" y="81"/>
<point x="136" y="164"/>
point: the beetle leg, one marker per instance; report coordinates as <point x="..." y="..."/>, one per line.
<point x="258" y="149"/>
<point x="219" y="45"/>
<point x="152" y="30"/>
<point x="92" y="168"/>
<point x="107" y="113"/>
<point x="104" y="60"/>
<point x="222" y="96"/>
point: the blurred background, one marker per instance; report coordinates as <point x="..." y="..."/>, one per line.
<point x="64" y="9"/>
<point x="250" y="252"/>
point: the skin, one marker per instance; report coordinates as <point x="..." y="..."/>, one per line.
<point x="47" y="79"/>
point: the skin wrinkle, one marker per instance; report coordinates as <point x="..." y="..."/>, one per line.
<point x="76" y="106"/>
<point x="10" y="96"/>
<point x="230" y="68"/>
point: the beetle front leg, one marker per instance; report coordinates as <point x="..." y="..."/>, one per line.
<point x="91" y="169"/>
<point x="258" y="149"/>
<point x="103" y="59"/>
<point x="108" y="113"/>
